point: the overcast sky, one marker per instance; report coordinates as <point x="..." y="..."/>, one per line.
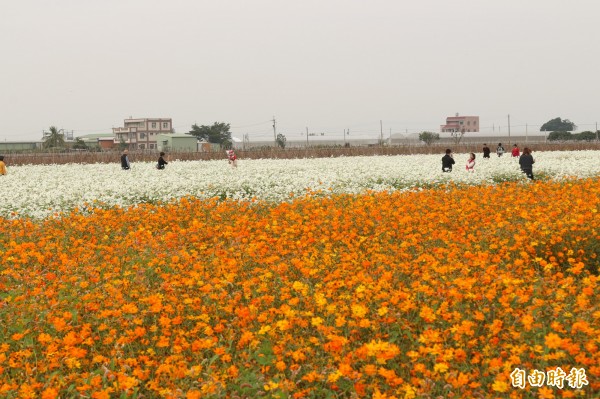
<point x="85" y="65"/>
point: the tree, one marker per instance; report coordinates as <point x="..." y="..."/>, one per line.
<point x="428" y="137"/>
<point x="558" y="125"/>
<point x="54" y="139"/>
<point x="122" y="144"/>
<point x="457" y="135"/>
<point x="79" y="144"/>
<point x="587" y="136"/>
<point x="218" y="133"/>
<point x="281" y="140"/>
<point x="560" y="136"/>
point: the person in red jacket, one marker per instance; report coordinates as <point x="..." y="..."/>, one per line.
<point x="515" y="151"/>
<point x="232" y="158"/>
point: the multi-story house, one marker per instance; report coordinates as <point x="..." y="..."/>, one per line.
<point x="141" y="133"/>
<point x="460" y="124"/>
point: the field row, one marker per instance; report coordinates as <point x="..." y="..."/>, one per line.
<point x="42" y="191"/>
<point x="432" y="293"/>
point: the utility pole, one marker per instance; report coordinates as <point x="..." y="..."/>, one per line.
<point x="344" y="137"/>
<point x="509" y="130"/>
<point x="381" y="132"/>
<point x="390" y="137"/>
<point x="596" y="131"/>
<point x="307" y="137"/>
<point x="274" y="131"/>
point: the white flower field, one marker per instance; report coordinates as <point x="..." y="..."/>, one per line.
<point x="42" y="191"/>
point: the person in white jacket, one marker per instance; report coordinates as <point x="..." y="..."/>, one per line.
<point x="471" y="162"/>
<point x="499" y="150"/>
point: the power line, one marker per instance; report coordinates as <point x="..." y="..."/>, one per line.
<point x="251" y="125"/>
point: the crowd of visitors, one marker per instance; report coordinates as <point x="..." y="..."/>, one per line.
<point x="126" y="165"/>
<point x="526" y="160"/>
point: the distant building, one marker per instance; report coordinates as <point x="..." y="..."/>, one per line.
<point x="204" y="146"/>
<point x="314" y="141"/>
<point x="20" y="145"/>
<point x="104" y="141"/>
<point x="460" y="123"/>
<point x="237" y="143"/>
<point x="141" y="133"/>
<point x="177" y="142"/>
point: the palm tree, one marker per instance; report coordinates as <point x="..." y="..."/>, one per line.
<point x="54" y="139"/>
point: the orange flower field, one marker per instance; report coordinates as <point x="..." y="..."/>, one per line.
<point x="441" y="293"/>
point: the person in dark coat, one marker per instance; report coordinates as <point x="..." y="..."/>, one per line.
<point x="161" y="161"/>
<point x="526" y="161"/>
<point x="125" y="160"/>
<point x="447" y="161"/>
<point x="486" y="151"/>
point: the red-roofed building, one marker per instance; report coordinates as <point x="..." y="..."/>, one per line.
<point x="460" y="124"/>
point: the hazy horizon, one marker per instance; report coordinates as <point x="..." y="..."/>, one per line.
<point x="325" y="65"/>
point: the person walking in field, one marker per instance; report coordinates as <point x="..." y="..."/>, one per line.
<point x="232" y="158"/>
<point x="2" y="166"/>
<point x="447" y="161"/>
<point x="515" y="151"/>
<point x="125" y="160"/>
<point x="499" y="150"/>
<point x="471" y="163"/>
<point x="526" y="162"/>
<point x="161" y="161"/>
<point x="486" y="151"/>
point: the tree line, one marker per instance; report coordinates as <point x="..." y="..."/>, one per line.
<point x="220" y="133"/>
<point x="560" y="130"/>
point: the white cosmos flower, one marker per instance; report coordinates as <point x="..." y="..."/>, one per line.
<point x="40" y="191"/>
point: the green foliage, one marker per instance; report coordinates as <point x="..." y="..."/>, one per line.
<point x="281" y="140"/>
<point x="428" y="137"/>
<point x="557" y="124"/>
<point x="585" y="136"/>
<point x="560" y="136"/>
<point x="54" y="139"/>
<point x="566" y="136"/>
<point x="79" y="144"/>
<point x="218" y="133"/>
<point x="507" y="177"/>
